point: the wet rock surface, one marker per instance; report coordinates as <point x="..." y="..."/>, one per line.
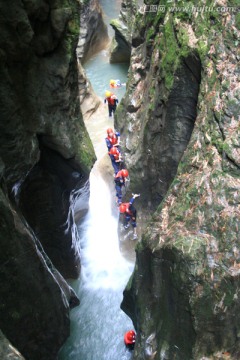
<point x="35" y="299"/>
<point x="46" y="200"/>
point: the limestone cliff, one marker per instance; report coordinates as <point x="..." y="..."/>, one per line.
<point x="182" y="105"/>
<point x="46" y="156"/>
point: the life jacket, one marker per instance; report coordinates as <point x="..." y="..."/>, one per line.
<point x="116" y="155"/>
<point x="115" y="83"/>
<point x="130" y="210"/>
<point x="111" y="100"/>
<point x="119" y="179"/>
<point x="113" y="140"/>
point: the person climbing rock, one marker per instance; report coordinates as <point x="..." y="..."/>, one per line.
<point x="120" y="179"/>
<point x="129" y="339"/>
<point x="112" y="139"/>
<point x="112" y="101"/>
<point x="116" y="159"/>
<point x="130" y="214"/>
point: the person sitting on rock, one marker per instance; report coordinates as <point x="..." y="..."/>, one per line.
<point x="116" y="159"/>
<point x="112" y="139"/>
<point x="129" y="339"/>
<point x="119" y="179"/>
<point x="130" y="214"/>
<point x="112" y="101"/>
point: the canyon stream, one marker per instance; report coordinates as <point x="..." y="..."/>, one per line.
<point x="98" y="324"/>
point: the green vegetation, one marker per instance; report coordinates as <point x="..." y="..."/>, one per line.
<point x="237" y="17"/>
<point x="115" y="23"/>
<point x="73" y="27"/>
<point x="150" y="34"/>
<point x="172" y="49"/>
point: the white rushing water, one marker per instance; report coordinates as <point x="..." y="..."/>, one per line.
<point x="104" y="267"/>
<point x="98" y="324"/>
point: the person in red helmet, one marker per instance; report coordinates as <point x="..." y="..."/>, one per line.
<point x="112" y="139"/>
<point x="119" y="179"/>
<point x="112" y="101"/>
<point x="130" y="214"/>
<point x="116" y="159"/>
<point x="129" y="339"/>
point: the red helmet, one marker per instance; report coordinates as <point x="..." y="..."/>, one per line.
<point x="122" y="208"/>
<point x="109" y="131"/>
<point x="113" y="151"/>
<point x="124" y="173"/>
<point x="131" y="335"/>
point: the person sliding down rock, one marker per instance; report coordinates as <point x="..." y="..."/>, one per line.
<point x="119" y="179"/>
<point x="130" y="214"/>
<point x="112" y="139"/>
<point x="129" y="339"/>
<point x="116" y="159"/>
<point x="112" y="101"/>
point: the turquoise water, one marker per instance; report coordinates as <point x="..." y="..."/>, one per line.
<point x="111" y="10"/>
<point x="99" y="71"/>
<point x="98" y="324"/>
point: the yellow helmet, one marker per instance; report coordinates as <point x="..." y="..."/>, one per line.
<point x="107" y="94"/>
<point x="112" y="82"/>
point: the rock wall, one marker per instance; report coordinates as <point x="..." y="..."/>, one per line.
<point x="7" y="350"/>
<point x="93" y="35"/>
<point x="46" y="156"/>
<point x="183" y="296"/>
<point x="40" y="110"/>
<point x="120" y="50"/>
<point x="157" y="115"/>
<point x="35" y="299"/>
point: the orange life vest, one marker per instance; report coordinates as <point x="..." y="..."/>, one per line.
<point x="119" y="179"/>
<point x="111" y="100"/>
<point x="113" y="140"/>
<point x="124" y="208"/>
<point x="127" y="211"/>
<point x="115" y="153"/>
